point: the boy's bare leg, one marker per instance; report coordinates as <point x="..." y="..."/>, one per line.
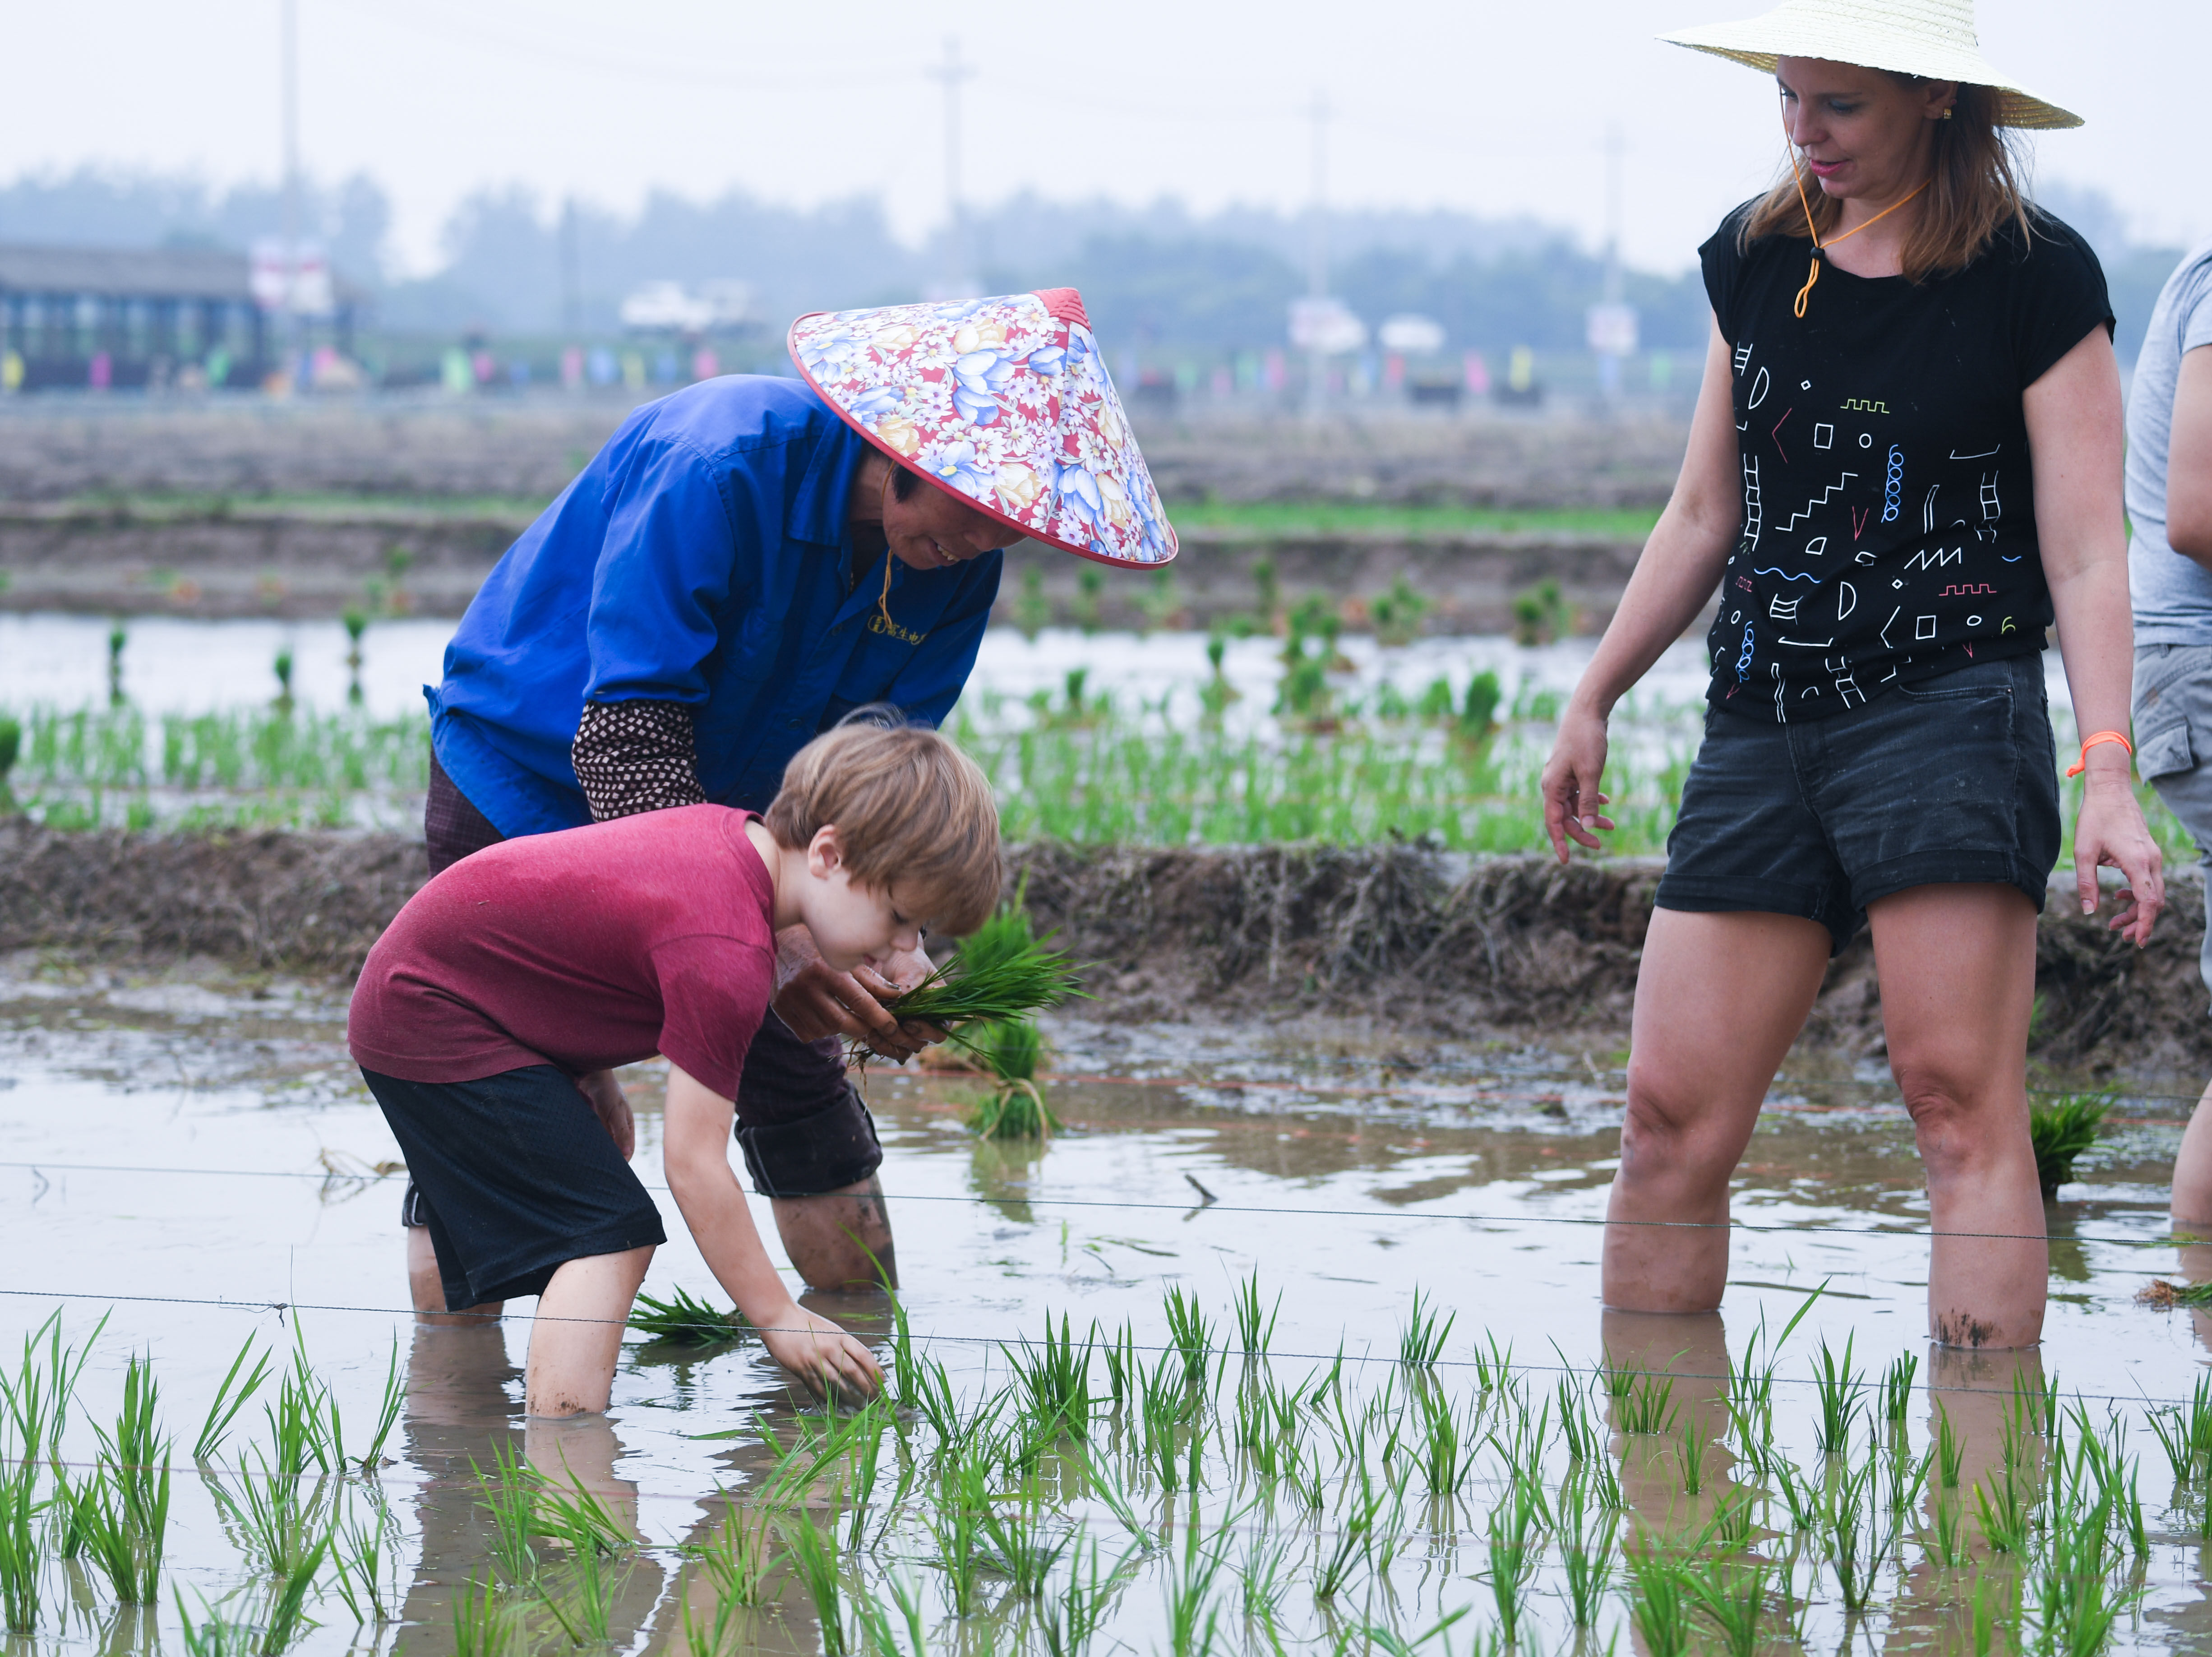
<point x="578" y="1333"/>
<point x="428" y="1289"/>
<point x="842" y="1239"/>
<point x="2192" y="1169"/>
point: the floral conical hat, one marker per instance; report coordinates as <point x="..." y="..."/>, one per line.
<point x="1005" y="403"/>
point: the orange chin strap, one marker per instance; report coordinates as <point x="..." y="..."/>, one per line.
<point x="1811" y="230"/>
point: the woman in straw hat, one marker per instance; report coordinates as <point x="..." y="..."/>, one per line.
<point x="1904" y="467"/>
<point x="744" y="563"/>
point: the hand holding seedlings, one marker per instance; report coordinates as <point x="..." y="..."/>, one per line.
<point x="816" y="1000"/>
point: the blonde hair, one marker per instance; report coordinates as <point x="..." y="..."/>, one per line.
<point x="908" y="805"/>
<point x="1973" y="191"/>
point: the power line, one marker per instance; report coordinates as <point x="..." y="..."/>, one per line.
<point x="335" y="1177"/>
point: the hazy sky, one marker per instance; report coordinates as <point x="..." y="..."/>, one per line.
<point x="1498" y="107"/>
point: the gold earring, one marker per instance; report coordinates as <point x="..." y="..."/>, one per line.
<point x="1947" y="111"/>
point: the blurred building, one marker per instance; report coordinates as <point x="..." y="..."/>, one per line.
<point x="116" y="317"/>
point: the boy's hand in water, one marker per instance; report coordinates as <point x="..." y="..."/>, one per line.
<point x="821" y="1353"/>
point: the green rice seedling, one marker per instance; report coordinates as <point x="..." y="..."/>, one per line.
<point x="1576" y="1426"/>
<point x="212" y="1635"/>
<point x="1839" y="1388"/>
<point x="956" y="1523"/>
<point x="277" y="1516"/>
<point x="124" y="1550"/>
<point x="1071" y="1621"/>
<point x="358" y="1555"/>
<point x="22" y="1559"/>
<point x="1262" y="1581"/>
<point x="1799" y="1494"/>
<point x="1982" y="1615"/>
<point x="865" y="1436"/>
<point x="2005" y="1521"/>
<point x="1941" y="1540"/>
<point x="1192" y="1611"/>
<point x="1605" y="1485"/>
<point x="1447" y="1445"/>
<point x="1253" y="1332"/>
<point x="710" y="1639"/>
<point x="510" y="1493"/>
<point x="1732" y="1594"/>
<point x="1905" y="1475"/>
<point x="685" y="1320"/>
<point x="1354" y="1544"/>
<point x="1731" y="1524"/>
<point x="1896" y="1390"/>
<point x="1950" y="1449"/>
<point x="1845" y="1499"/>
<point x="285" y="1619"/>
<point x="230" y="1397"/>
<point x="873" y="1619"/>
<point x="2075" y="1608"/>
<point x="1648" y="1410"/>
<point x="1795" y="1605"/>
<point x="1493" y="1364"/>
<point x="1691" y="1455"/>
<point x="39" y="1395"/>
<point x="1124" y="1377"/>
<point x="2060" y="1127"/>
<point x="482" y="1627"/>
<point x="1192" y="1336"/>
<point x="1003" y="971"/>
<point x="738" y="1555"/>
<point x="1166" y="1407"/>
<point x="1421" y="1342"/>
<point x="1586" y="1549"/>
<point x="2138" y="1531"/>
<point x="1658" y="1604"/>
<point x="1055" y="1381"/>
<point x="1018" y="1545"/>
<point x="1516" y="1548"/>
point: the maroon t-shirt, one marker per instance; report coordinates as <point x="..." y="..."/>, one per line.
<point x="589" y="949"/>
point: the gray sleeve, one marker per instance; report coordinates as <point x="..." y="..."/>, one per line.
<point x="2196" y="318"/>
<point x="636" y="756"/>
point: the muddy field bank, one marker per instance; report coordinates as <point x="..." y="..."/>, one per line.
<point x="245" y="561"/>
<point x="527" y="448"/>
<point x="1510" y="946"/>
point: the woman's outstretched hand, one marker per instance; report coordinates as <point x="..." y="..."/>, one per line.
<point x="2111" y="833"/>
<point x="1572" y="800"/>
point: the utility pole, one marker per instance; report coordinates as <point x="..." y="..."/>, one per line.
<point x="288" y="320"/>
<point x="1317" y="252"/>
<point x="1616" y="149"/>
<point x="951" y="72"/>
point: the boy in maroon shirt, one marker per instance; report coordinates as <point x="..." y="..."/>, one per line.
<point x="542" y="960"/>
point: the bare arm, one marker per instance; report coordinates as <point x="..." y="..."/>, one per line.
<point x="2074" y="432"/>
<point x="695" y="1137"/>
<point x="2188" y="460"/>
<point x="1680" y="568"/>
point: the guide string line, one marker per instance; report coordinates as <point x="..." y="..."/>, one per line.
<point x="1504" y="1366"/>
<point x="335" y="1176"/>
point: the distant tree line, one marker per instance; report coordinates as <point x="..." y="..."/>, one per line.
<point x="1156" y="277"/>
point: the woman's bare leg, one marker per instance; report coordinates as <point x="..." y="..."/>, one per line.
<point x="1719" y="998"/>
<point x="1957" y="965"/>
<point x="578" y="1334"/>
<point x="2192" y="1170"/>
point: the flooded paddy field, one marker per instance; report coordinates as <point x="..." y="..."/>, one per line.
<point x="1254" y="1437"/>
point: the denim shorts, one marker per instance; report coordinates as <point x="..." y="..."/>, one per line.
<point x="2173" y="747"/>
<point x="1950" y="781"/>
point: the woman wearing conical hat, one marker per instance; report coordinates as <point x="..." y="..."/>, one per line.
<point x="743" y="564"/>
<point x="1904" y="468"/>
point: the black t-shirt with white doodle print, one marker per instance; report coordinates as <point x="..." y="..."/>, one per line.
<point x="1888" y="504"/>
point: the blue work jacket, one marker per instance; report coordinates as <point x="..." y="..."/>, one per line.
<point x="702" y="558"/>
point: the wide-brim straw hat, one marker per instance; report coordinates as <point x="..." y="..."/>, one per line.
<point x="1004" y="403"/>
<point x="1932" y="39"/>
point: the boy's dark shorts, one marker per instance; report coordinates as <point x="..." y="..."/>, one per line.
<point x="1952" y="781"/>
<point x="514" y="1176"/>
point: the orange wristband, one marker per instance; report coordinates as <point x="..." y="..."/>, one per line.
<point x="2081" y="765"/>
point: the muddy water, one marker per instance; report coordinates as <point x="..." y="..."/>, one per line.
<point x="175" y="1143"/>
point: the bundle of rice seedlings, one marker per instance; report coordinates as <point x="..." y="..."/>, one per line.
<point x="1002" y="973"/>
<point x="684" y="1321"/>
<point x="1011" y="1050"/>
<point x="2061" y="1129"/>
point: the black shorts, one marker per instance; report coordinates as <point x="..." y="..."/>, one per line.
<point x="515" y="1177"/>
<point x="800" y="1124"/>
<point x="1952" y="781"/>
